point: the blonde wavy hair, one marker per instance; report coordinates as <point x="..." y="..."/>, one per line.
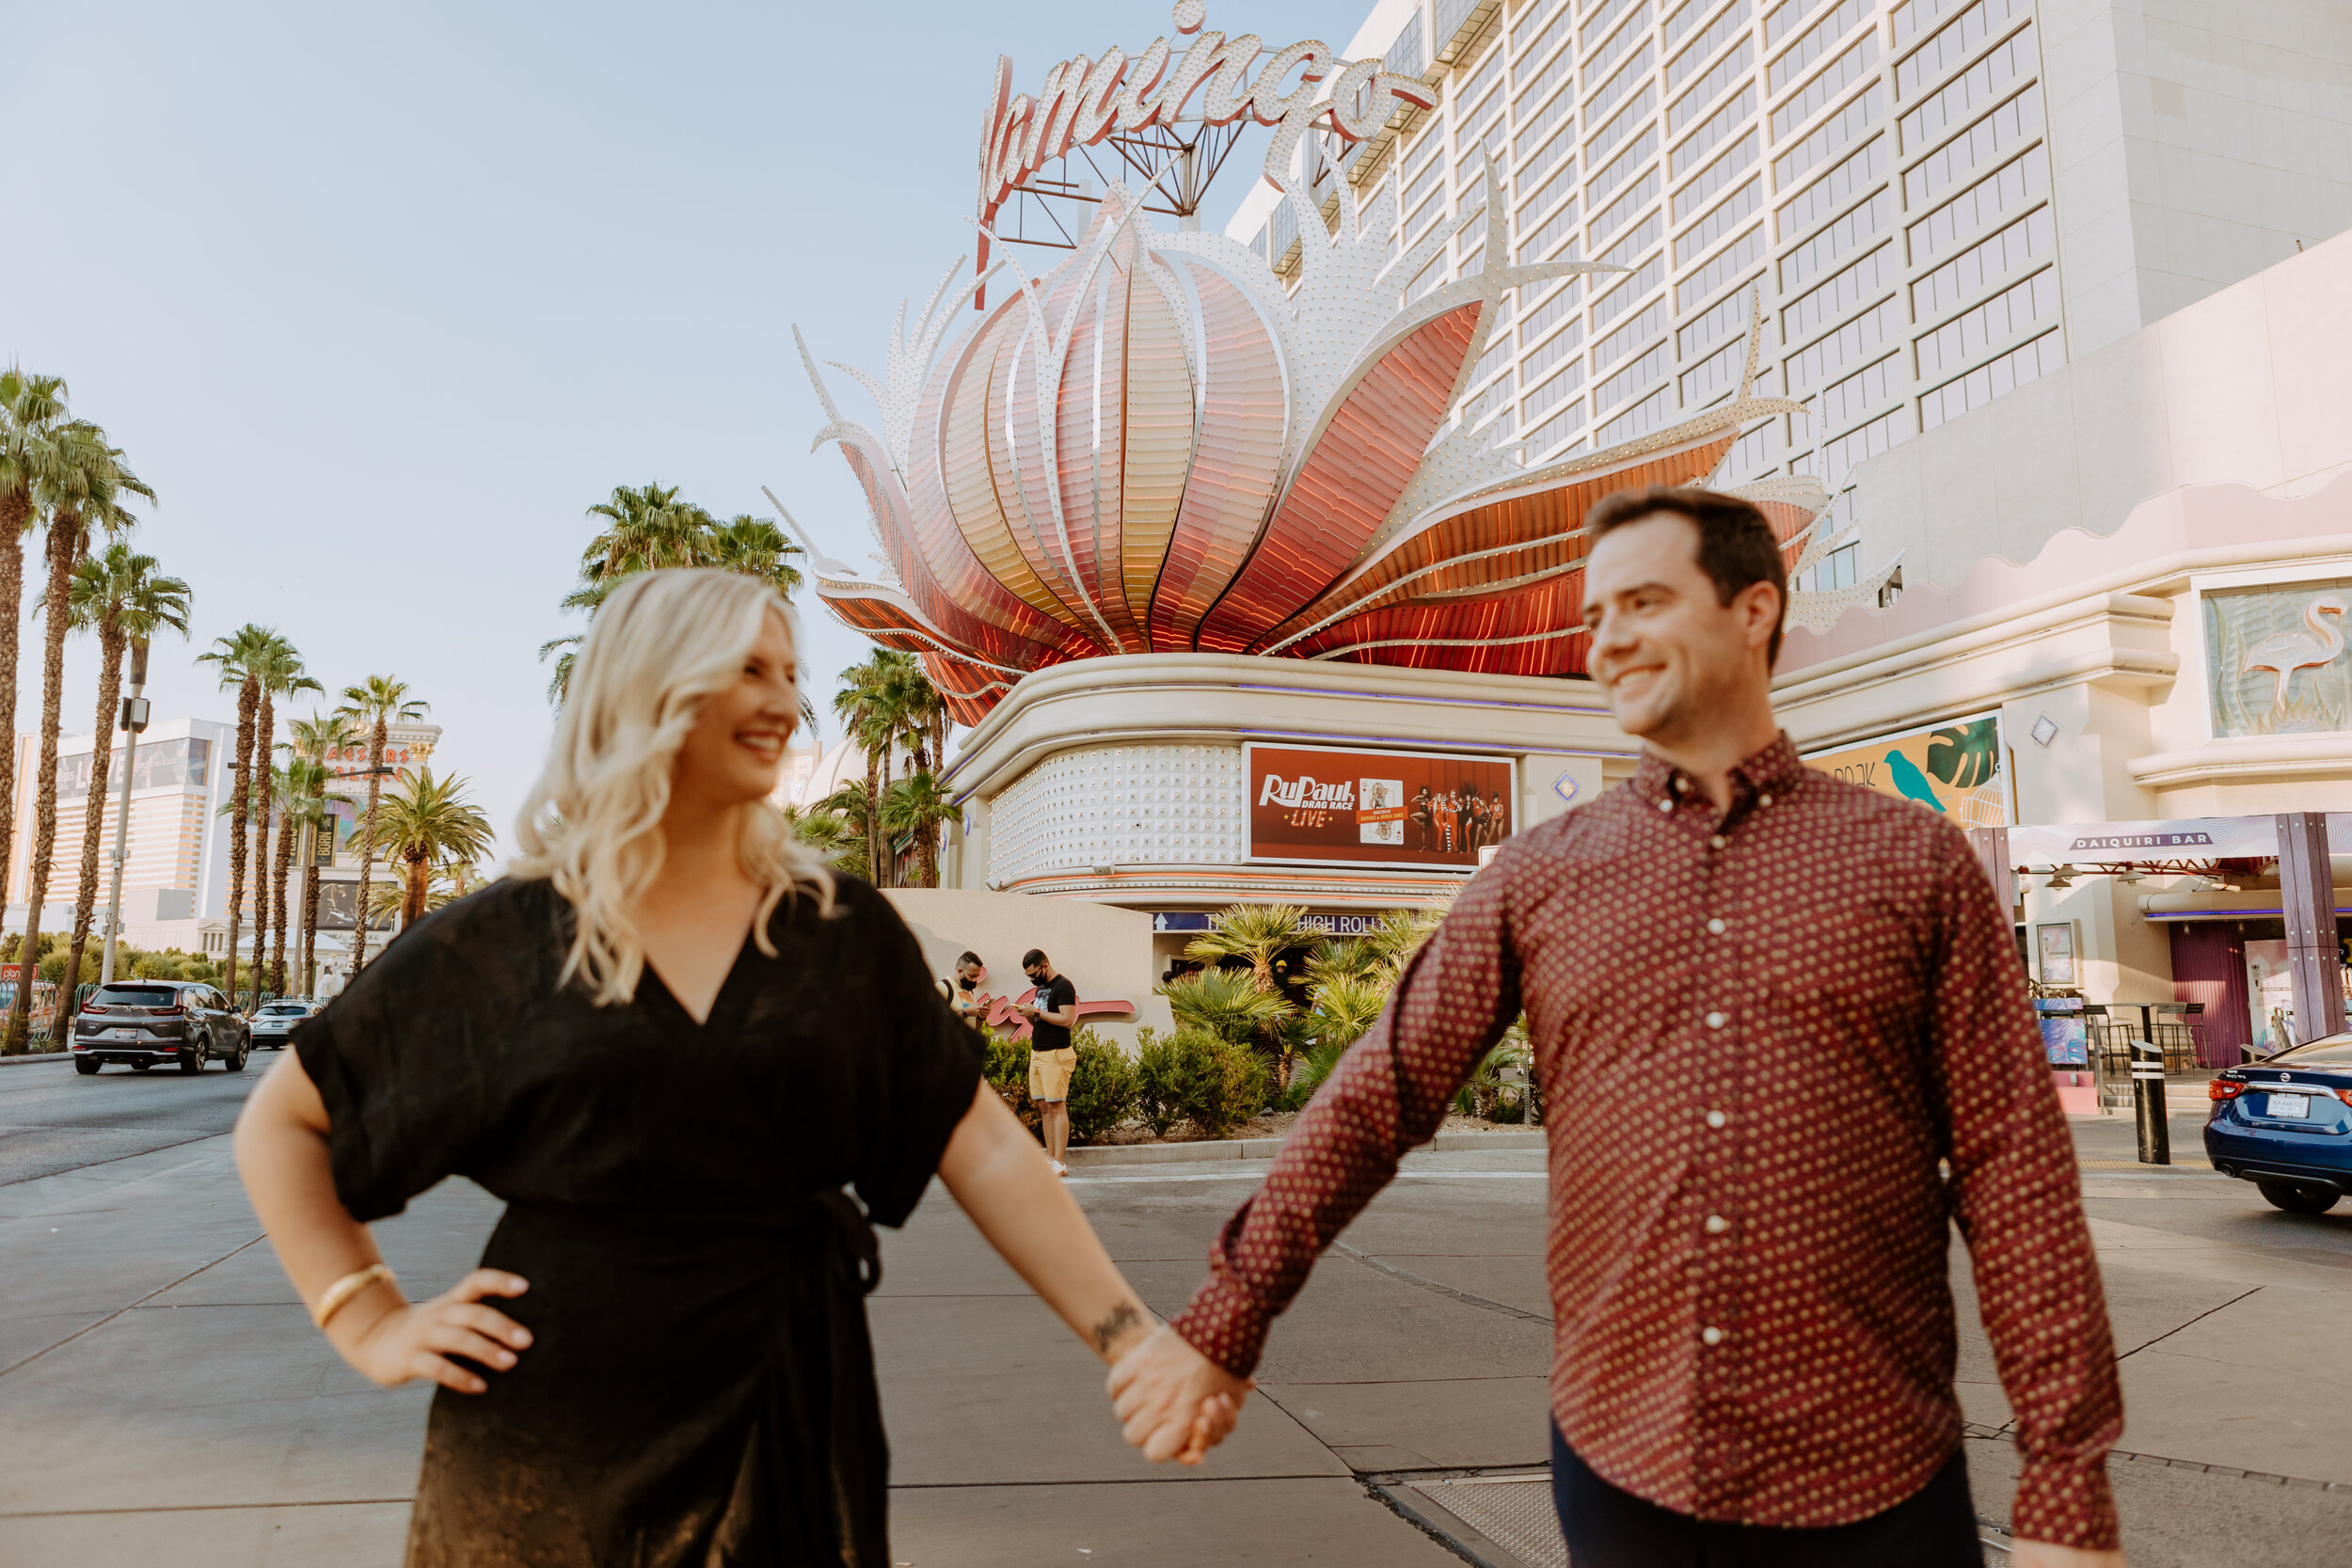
<point x="660" y="645"/>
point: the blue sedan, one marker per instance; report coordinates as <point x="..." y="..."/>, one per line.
<point x="2286" y="1124"/>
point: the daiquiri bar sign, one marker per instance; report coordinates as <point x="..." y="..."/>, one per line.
<point x="1083" y="101"/>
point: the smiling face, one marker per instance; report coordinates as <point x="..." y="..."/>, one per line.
<point x="1670" y="657"/>
<point x="735" y="752"/>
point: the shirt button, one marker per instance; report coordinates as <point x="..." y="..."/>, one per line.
<point x="1719" y="841"/>
<point x="1682" y="785"/>
<point x="1716" y="1020"/>
<point x="1712" y="1334"/>
<point x="1717" y="1224"/>
<point x="1716" y="926"/>
<point x="1763" y="800"/>
<point x="1716" y="1118"/>
<point x="1665" y="805"/>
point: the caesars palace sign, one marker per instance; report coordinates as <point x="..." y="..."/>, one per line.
<point x="1083" y="101"/>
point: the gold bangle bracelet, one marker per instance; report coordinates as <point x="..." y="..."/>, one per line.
<point x="339" y="1293"/>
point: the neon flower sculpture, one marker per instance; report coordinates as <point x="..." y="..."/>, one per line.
<point x="1152" y="449"/>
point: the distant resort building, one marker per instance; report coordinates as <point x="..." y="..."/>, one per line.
<point x="174" y="879"/>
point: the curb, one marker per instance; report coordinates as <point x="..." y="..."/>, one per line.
<point x="36" y="1057"/>
<point x="1266" y="1149"/>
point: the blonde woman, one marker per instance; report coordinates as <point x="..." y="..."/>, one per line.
<point x="668" y="1041"/>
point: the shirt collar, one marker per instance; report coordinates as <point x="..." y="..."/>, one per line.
<point x="1774" y="771"/>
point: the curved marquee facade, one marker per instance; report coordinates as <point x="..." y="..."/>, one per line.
<point x="1153" y="449"/>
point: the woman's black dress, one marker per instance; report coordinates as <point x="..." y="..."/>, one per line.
<point x="699" y="1388"/>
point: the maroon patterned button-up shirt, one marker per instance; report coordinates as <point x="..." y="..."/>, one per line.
<point x="1758" y="1030"/>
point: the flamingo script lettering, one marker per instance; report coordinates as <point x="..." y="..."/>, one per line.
<point x="1084" y="101"/>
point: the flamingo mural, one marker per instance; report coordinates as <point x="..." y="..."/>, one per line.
<point x="2288" y="651"/>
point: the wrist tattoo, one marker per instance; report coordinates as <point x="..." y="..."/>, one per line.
<point x="1115" y="1322"/>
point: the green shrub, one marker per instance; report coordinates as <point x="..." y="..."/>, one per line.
<point x="1102" y="1090"/>
<point x="1009" y="1075"/>
<point x="1223" y="1083"/>
<point x="1159" y="1082"/>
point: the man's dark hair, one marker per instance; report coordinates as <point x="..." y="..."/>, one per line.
<point x="972" y="959"/>
<point x="1736" y="545"/>
<point x="1033" y="958"/>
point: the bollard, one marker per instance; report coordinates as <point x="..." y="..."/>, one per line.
<point x="2156" y="1133"/>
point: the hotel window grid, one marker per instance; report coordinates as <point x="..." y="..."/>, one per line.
<point x="1718" y="31"/>
<point x="1873" y="175"/>
<point x="1724" y="121"/>
<point x="1715" y="177"/>
<point x="1636" y="31"/>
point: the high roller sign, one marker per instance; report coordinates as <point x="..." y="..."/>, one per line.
<point x="1084" y="101"/>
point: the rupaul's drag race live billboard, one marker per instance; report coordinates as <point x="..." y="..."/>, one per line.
<point x="1413" y="810"/>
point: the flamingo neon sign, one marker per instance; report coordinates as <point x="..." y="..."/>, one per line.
<point x="1084" y="101"/>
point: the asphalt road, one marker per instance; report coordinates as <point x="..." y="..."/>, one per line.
<point x="52" y="1119"/>
<point x="143" y="1316"/>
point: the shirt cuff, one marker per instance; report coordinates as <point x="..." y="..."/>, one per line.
<point x="2066" y="1504"/>
<point x="1224" y="1324"/>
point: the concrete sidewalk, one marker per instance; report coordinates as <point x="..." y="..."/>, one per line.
<point x="163" y="1397"/>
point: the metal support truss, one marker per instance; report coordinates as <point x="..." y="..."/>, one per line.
<point x="1176" y="164"/>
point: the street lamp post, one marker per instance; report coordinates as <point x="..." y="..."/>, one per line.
<point x="134" y="720"/>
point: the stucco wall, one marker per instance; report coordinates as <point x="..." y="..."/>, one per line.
<point x="2246" y="386"/>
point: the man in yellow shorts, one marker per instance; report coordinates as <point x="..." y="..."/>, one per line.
<point x="1052" y="1058"/>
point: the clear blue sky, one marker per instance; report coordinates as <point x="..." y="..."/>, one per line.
<point x="380" y="299"/>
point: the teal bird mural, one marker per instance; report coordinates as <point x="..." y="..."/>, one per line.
<point x="1913" y="782"/>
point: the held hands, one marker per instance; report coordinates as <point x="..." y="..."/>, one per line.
<point x="411" y="1339"/>
<point x="1174" y="1401"/>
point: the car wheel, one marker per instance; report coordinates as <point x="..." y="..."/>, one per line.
<point x="236" y="1063"/>
<point x="193" y="1061"/>
<point x="2297" y="1199"/>
<point x="85" y="1067"/>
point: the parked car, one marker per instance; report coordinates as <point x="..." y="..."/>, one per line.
<point x="2286" y="1124"/>
<point x="141" y="1022"/>
<point x="274" y="1024"/>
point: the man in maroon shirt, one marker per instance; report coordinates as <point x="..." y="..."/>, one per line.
<point x="1811" y="994"/>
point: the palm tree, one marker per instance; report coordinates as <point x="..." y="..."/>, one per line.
<point x="1345" y="1007"/>
<point x="645" y="528"/>
<point x="863" y="706"/>
<point x="445" y="882"/>
<point x="918" y="713"/>
<point x="1259" y="933"/>
<point x="754" y="547"/>
<point x="1224" y="1002"/>
<point x="374" y="704"/>
<point x="648" y="528"/>
<point x="302" y="786"/>
<point x="317" y="741"/>
<point x="32" y="414"/>
<point x="278" y="669"/>
<point x="123" y="596"/>
<point x="835" y="828"/>
<point x="239" y="656"/>
<point x="85" y="491"/>
<point x="426" y="821"/>
<point x="916" y="804"/>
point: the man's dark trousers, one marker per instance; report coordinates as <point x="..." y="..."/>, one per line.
<point x="1933" y="1528"/>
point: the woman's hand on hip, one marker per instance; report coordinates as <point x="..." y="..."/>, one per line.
<point x="415" y="1339"/>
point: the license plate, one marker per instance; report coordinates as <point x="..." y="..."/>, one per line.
<point x="123" y="1033"/>
<point x="2291" y="1107"/>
